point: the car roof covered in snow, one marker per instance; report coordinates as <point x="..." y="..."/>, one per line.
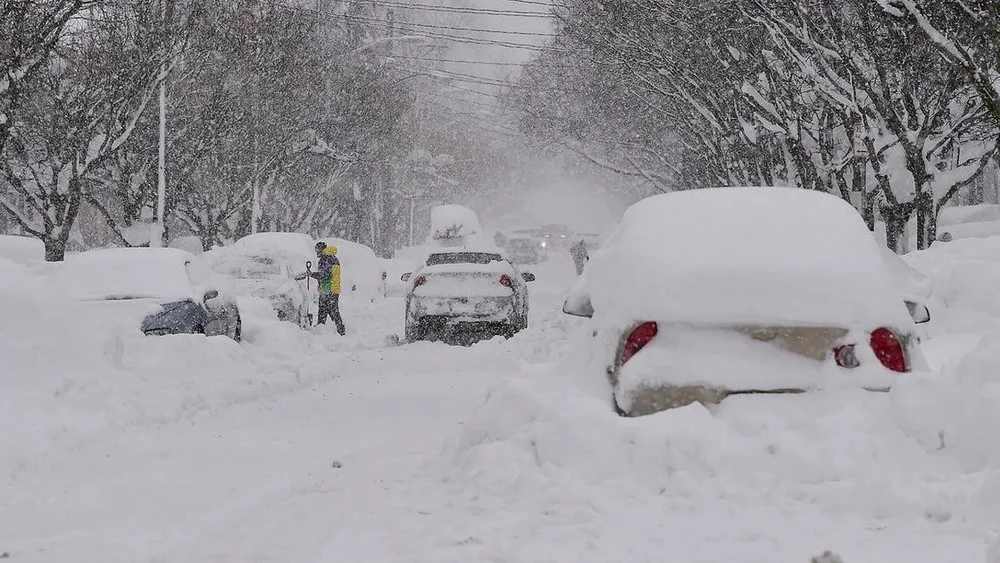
<point x="754" y="255"/>
<point x="128" y="273"/>
<point x="276" y="244"/>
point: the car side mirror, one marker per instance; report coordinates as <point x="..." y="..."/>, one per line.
<point x="528" y="276"/>
<point x="384" y="275"/>
<point x="920" y="313"/>
<point x="579" y="310"/>
<point x="405" y="277"/>
<point x="211" y="294"/>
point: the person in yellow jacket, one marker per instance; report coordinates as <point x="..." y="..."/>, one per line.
<point x="328" y="275"/>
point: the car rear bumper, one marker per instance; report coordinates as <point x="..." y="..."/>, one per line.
<point x="454" y="310"/>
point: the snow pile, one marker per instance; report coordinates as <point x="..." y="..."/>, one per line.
<point x="754" y="255"/>
<point x="47" y="345"/>
<point x="789" y="476"/>
<point x="764" y="450"/>
<point x="74" y="370"/>
<point x="21" y="249"/>
<point x="959" y="214"/>
<point x="966" y="275"/>
<point x="957" y="411"/>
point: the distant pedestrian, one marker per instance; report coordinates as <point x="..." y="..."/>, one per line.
<point x="580" y="257"/>
<point x="328" y="275"/>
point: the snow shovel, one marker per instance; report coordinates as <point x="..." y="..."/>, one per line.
<point x="309" y="265"/>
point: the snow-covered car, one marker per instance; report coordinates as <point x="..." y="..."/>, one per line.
<point x="468" y="291"/>
<point x="394" y="268"/>
<point x="524" y="250"/>
<point x="968" y="221"/>
<point x="264" y="265"/>
<point x="360" y="271"/>
<point x="703" y="294"/>
<point x="915" y="287"/>
<point x="159" y="290"/>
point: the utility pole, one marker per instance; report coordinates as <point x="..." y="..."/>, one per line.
<point x="412" y="213"/>
<point x="158" y="232"/>
<point x="255" y="205"/>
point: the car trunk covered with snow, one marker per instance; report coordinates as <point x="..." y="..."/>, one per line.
<point x="465" y="288"/>
<point x="743" y="289"/>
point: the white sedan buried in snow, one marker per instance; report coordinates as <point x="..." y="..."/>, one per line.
<point x="703" y="294"/>
<point x="466" y="291"/>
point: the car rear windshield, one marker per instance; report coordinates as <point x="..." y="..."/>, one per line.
<point x="463" y="258"/>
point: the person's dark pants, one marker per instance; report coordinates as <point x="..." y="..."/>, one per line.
<point x="329" y="306"/>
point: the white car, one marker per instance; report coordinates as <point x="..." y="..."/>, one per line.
<point x="264" y="265"/>
<point x="703" y="294"/>
<point x="465" y="291"/>
<point x="914" y="287"/>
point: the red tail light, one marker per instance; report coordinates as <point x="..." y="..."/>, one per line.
<point x="637" y="340"/>
<point x="420" y="281"/>
<point x="888" y="349"/>
<point x="505" y="280"/>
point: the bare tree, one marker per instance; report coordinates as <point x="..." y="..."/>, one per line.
<point x="30" y="31"/>
<point x="78" y="115"/>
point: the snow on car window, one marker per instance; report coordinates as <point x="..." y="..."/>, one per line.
<point x="463" y="258"/>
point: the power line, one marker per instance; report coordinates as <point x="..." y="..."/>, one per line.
<point x="471" y="90"/>
<point x="471" y="61"/>
<point x="461" y="75"/>
<point x="468" y="101"/>
<point x="453" y="28"/>
<point x="404" y="27"/>
<point x="470" y="78"/>
<point x="460" y="10"/>
<point x="536" y="3"/>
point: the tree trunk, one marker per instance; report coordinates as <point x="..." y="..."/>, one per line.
<point x="55" y="249"/>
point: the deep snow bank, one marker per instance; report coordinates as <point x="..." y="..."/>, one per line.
<point x="966" y="277"/>
<point x="839" y="449"/>
<point x="69" y="373"/>
<point x="544" y="467"/>
<point x="957" y="411"/>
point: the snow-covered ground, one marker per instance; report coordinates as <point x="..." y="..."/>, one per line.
<point x="311" y="447"/>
